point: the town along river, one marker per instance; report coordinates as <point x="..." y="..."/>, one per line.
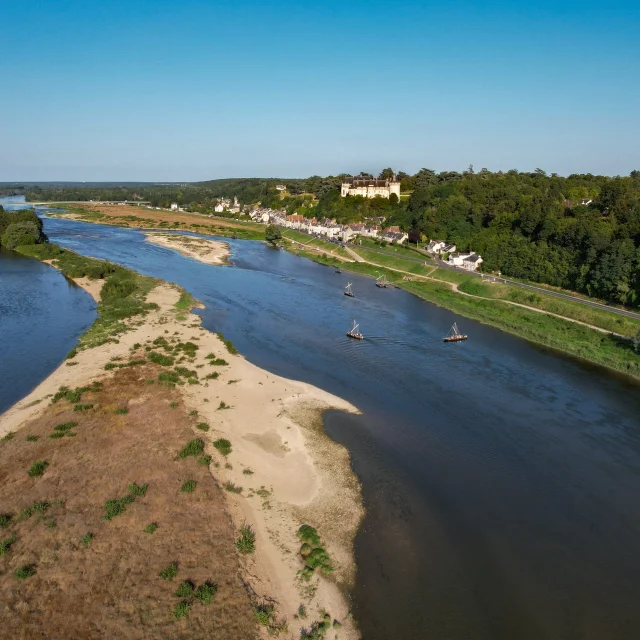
<point x="501" y="480"/>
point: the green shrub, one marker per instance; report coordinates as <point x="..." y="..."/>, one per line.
<point x="212" y="376"/>
<point x="192" y="448"/>
<point x="186" y="373"/>
<point x="82" y="407"/>
<point x="181" y="610"/>
<point x="113" y="508"/>
<point x="189" y="486"/>
<point x="231" y="487"/>
<point x="137" y="490"/>
<point x="246" y="543"/>
<point x="228" y="344"/>
<point x="204" y="460"/>
<point x="86" y="539"/>
<point x="38" y="468"/>
<point x="309" y="535"/>
<point x="247" y="472"/>
<point x="169" y="572"/>
<point x="5" y="545"/>
<point x="169" y="378"/>
<point x="150" y="528"/>
<point x="223" y="405"/>
<point x="263" y="613"/>
<point x="193" y="413"/>
<point x="25" y="571"/>
<point x="65" y="426"/>
<point x="32" y="438"/>
<point x="158" y="358"/>
<point x="203" y="426"/>
<point x="185" y="590"/>
<point x="36" y="507"/>
<point x="57" y="434"/>
<point x="205" y="592"/>
<point x="223" y="446"/>
<point x="218" y="362"/>
<point x="8" y="436"/>
<point x="122" y="411"/>
<point x="173" y="405"/>
<point x="5" y="520"/>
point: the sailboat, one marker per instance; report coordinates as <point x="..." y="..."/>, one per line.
<point x="338" y="270"/>
<point x="382" y="282"/>
<point x="347" y="291"/>
<point x="454" y="335"/>
<point x="354" y="333"/>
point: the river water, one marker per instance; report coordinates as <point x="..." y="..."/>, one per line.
<point x="501" y="480"/>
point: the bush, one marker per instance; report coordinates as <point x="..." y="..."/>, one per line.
<point x="36" y="507"/>
<point x="150" y="528"/>
<point x="246" y="543"/>
<point x="65" y="426"/>
<point x="82" y="407"/>
<point x="113" y="508"/>
<point x="203" y="426"/>
<point x="161" y="359"/>
<point x="123" y="411"/>
<point x="32" y="438"/>
<point x="308" y="534"/>
<point x="86" y="539"/>
<point x="38" y="468"/>
<point x="5" y="545"/>
<point x="192" y="448"/>
<point x="212" y="376"/>
<point x="5" y="520"/>
<point x="231" y="487"/>
<point x="20" y="234"/>
<point x="185" y="590"/>
<point x="137" y="490"/>
<point x="169" y="572"/>
<point x="181" y="610"/>
<point x="205" y="592"/>
<point x="223" y="446"/>
<point x="189" y="486"/>
<point x="25" y="571"/>
<point x="204" y="460"/>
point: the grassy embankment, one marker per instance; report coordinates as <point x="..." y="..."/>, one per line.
<point x="557" y="333"/>
<point x="123" y="294"/>
<point x="170" y="220"/>
<point x="312" y="244"/>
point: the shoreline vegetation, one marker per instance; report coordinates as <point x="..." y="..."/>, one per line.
<point x="608" y="341"/>
<point x="208" y="251"/>
<point x="226" y="455"/>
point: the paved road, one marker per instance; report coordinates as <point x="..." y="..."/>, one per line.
<point x="564" y="296"/>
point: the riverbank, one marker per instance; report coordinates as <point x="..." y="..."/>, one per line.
<point x="262" y="437"/>
<point x="208" y="251"/>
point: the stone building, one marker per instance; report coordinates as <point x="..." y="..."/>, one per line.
<point x="370" y="187"/>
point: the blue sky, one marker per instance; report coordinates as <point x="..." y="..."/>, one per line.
<point x="195" y="90"/>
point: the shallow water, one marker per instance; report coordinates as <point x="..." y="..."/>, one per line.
<point x="501" y="480"/>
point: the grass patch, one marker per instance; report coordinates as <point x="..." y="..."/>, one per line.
<point x="223" y="446"/>
<point x="228" y="344"/>
<point x="203" y="426"/>
<point x="123" y="411"/>
<point x="217" y="362"/>
<point x="212" y="376"/>
<point x="138" y="490"/>
<point x="246" y="542"/>
<point x="204" y="460"/>
<point x="189" y="486"/>
<point x="223" y="405"/>
<point x="185" y="590"/>
<point x="161" y="359"/>
<point x="5" y="545"/>
<point x="150" y="528"/>
<point x="173" y="405"/>
<point x="25" y="571"/>
<point x="5" y="520"/>
<point x="181" y="610"/>
<point x="82" y="407"/>
<point x="38" y="468"/>
<point x="39" y="507"/>
<point x="192" y="448"/>
<point x="65" y="426"/>
<point x="116" y="507"/>
<point x="86" y="539"/>
<point x="170" y="571"/>
<point x="231" y="487"/>
<point x="185" y="302"/>
<point x="247" y="472"/>
<point x="312" y="552"/>
<point x="205" y="592"/>
<point x="32" y="438"/>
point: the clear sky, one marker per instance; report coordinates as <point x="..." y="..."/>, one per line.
<point x="195" y="90"/>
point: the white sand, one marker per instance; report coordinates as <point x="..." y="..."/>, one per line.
<point x="275" y="430"/>
<point x="207" y="251"/>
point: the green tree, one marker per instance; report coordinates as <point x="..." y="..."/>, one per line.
<point x="386" y="174"/>
<point x="273" y="233"/>
<point x="20" y="234"/>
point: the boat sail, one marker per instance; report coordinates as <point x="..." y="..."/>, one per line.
<point x="382" y="282"/>
<point x="347" y="291"/>
<point x="354" y="333"/>
<point x="454" y="335"/>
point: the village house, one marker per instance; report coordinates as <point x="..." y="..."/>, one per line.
<point x="372" y="231"/>
<point x="467" y="260"/>
<point x="281" y="187"/>
<point x="174" y="206"/>
<point x="439" y="247"/>
<point x="370" y="187"/>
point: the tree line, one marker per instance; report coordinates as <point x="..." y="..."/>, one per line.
<point x="20" y="228"/>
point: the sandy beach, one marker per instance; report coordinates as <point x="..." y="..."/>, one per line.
<point x="290" y="472"/>
<point x="207" y="251"/>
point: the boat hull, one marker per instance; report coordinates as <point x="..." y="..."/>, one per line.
<point x="349" y="294"/>
<point x="455" y="339"/>
<point x="355" y="336"/>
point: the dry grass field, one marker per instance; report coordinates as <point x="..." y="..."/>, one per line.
<point x="73" y="565"/>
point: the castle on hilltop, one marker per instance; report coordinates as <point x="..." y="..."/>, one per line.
<point x="370" y="187"/>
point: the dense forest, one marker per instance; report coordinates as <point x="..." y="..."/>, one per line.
<point x="580" y="232"/>
<point x="20" y="228"/>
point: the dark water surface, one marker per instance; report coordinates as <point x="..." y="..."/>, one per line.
<point x="502" y="481"/>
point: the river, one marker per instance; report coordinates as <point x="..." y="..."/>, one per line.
<point x="501" y="479"/>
